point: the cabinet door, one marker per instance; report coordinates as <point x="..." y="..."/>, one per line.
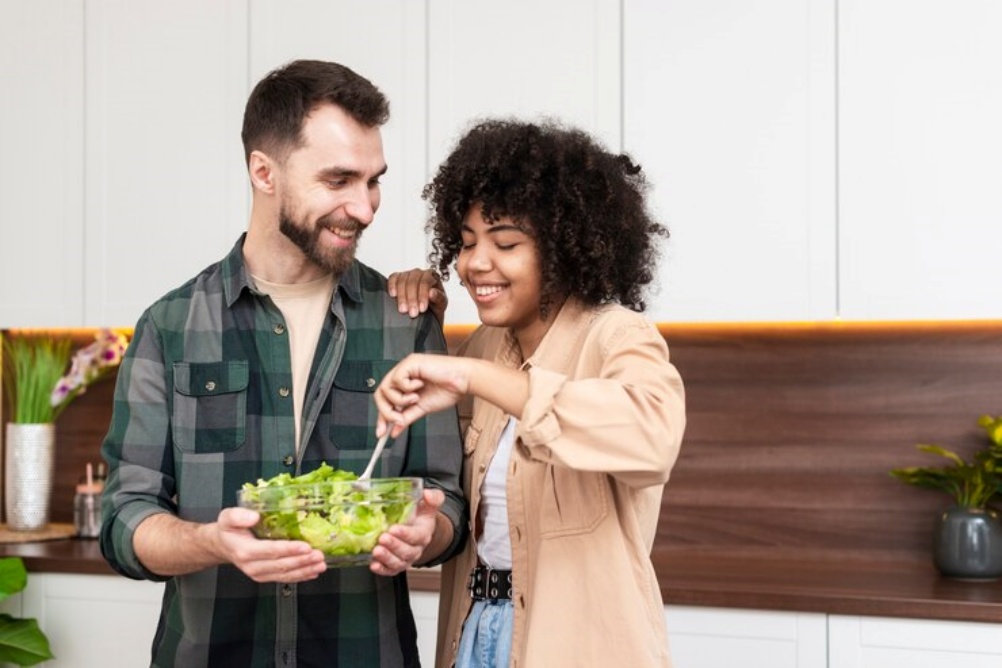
<point x="522" y="58"/>
<point x="384" y="41"/>
<point x="724" y="638"/>
<point x="920" y="217"/>
<point x="166" y="182"/>
<point x="94" y="621"/>
<point x="876" y="642"/>
<point x="41" y="173"/>
<point x="730" y="108"/>
<point x="425" y="607"/>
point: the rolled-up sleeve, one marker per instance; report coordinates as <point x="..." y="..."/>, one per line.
<point x="621" y="412"/>
<point x="137" y="449"/>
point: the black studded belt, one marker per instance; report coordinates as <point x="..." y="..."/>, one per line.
<point x="489" y="584"/>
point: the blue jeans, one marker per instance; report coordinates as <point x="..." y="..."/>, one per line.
<point x="486" y="641"/>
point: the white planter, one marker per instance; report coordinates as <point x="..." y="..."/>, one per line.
<point x="28" y="457"/>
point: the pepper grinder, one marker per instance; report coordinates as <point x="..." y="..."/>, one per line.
<point x="87" y="506"/>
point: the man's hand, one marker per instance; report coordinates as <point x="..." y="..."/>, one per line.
<point x="403" y="545"/>
<point x="265" y="560"/>
<point x="168" y="545"/>
<point x="417" y="290"/>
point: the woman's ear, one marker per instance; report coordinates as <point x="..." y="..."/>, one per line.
<point x="261" y="169"/>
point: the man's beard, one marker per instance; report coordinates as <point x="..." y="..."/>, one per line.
<point x="335" y="260"/>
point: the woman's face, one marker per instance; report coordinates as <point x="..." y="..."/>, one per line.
<point x="499" y="263"/>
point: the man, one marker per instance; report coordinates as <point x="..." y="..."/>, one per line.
<point x="265" y="363"/>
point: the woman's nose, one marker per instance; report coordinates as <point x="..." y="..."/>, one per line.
<point x="479" y="259"/>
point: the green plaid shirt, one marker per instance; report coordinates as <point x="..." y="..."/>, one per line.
<point x="203" y="404"/>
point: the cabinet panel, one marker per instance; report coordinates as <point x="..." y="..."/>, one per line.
<point x="875" y="642"/>
<point x="722" y="638"/>
<point x="425" y="607"/>
<point x="41" y="174"/>
<point x="523" y="58"/>
<point x="94" y="621"/>
<point x="729" y="106"/>
<point x="384" y="41"/>
<point x="919" y="170"/>
<point x="165" y="191"/>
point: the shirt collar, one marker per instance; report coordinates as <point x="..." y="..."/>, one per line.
<point x="236" y="278"/>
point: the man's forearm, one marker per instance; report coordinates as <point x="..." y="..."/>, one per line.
<point x="441" y="539"/>
<point x="170" y="546"/>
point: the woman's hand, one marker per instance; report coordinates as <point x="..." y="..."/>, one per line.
<point x="418" y="385"/>
<point x="418" y="290"/>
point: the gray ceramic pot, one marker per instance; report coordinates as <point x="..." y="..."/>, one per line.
<point x="968" y="543"/>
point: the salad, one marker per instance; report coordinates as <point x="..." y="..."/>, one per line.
<point x="330" y="510"/>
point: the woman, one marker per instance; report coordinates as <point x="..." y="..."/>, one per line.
<point x="573" y="415"/>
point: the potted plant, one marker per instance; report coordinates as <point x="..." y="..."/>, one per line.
<point x="968" y="537"/>
<point x="39" y="382"/>
<point x="21" y="641"/>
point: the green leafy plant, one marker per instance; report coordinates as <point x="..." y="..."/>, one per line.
<point x="33" y="373"/>
<point x="21" y="641"/>
<point x="972" y="484"/>
<point x="31" y="368"/>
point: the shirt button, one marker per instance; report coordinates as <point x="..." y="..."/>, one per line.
<point x="210" y="386"/>
<point x="287" y="460"/>
<point x="283" y="391"/>
<point x="286" y="590"/>
<point x="370" y="382"/>
<point x="279" y="329"/>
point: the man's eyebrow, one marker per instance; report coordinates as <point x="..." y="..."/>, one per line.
<point x="346" y="173"/>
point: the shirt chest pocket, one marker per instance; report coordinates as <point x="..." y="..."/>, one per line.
<point x="210" y="405"/>
<point x="354" y="412"/>
<point x="572" y="502"/>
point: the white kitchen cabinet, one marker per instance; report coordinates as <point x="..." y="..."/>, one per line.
<point x="920" y="217"/>
<point x="730" y="108"/>
<point x="92" y="621"/>
<point x="383" y="41"/>
<point x="813" y="159"/>
<point x="166" y="189"/>
<point x="424" y="605"/>
<point x="521" y="58"/>
<point x="723" y="638"/>
<point x="879" y="642"/>
<point x="41" y="173"/>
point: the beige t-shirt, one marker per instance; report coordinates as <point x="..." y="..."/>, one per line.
<point x="304" y="307"/>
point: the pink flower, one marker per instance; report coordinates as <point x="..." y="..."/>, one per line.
<point x="88" y="365"/>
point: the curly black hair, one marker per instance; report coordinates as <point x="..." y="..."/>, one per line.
<point x="584" y="207"/>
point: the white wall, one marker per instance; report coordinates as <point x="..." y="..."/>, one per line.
<point x="814" y="159"/>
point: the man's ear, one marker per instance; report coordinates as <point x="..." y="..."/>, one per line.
<point x="261" y="169"/>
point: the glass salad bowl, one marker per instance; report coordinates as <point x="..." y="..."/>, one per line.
<point x="333" y="511"/>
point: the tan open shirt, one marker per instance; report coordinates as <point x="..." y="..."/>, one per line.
<point x="595" y="445"/>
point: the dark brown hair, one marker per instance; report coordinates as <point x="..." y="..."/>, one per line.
<point x="584" y="206"/>
<point x="280" y="102"/>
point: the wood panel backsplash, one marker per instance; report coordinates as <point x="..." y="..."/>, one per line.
<point x="791" y="431"/>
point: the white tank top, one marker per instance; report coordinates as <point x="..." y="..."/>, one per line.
<point x="494" y="546"/>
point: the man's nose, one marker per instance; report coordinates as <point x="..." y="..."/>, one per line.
<point x="362" y="205"/>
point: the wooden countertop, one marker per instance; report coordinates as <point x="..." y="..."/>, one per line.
<point x="886" y="585"/>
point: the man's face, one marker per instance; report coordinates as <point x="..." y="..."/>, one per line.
<point x="329" y="188"/>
